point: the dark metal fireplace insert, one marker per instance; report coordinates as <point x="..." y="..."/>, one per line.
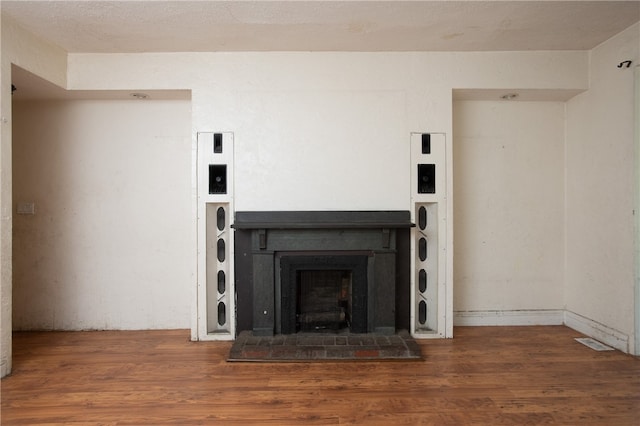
<point x="320" y="270"/>
<point x="323" y="292"/>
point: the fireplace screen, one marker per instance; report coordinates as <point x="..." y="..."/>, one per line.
<point x="323" y="293"/>
<point x="324" y="300"/>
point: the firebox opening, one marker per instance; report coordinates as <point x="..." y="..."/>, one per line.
<point x="324" y="300"/>
<point x="323" y="292"/>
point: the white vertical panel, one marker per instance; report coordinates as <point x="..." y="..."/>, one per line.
<point x="438" y="288"/>
<point x="210" y="234"/>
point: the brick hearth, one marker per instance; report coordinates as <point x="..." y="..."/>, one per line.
<point x="324" y="346"/>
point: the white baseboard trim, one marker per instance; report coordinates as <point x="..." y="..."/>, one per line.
<point x="514" y="317"/>
<point x="597" y="331"/>
<point x="586" y="326"/>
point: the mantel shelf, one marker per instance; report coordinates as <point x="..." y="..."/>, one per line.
<point x="322" y="225"/>
<point x="323" y="220"/>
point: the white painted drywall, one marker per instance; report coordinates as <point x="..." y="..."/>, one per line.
<point x="325" y="130"/>
<point x="38" y="56"/>
<point x="637" y="210"/>
<point x="508" y="205"/>
<point x="331" y="128"/>
<point x="5" y="216"/>
<point x="600" y="201"/>
<point x="109" y="245"/>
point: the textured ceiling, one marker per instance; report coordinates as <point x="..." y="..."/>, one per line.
<point x="199" y="26"/>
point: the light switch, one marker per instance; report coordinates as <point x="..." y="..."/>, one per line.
<point x="26" y="208"/>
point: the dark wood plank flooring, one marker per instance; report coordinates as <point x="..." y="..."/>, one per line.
<point x="485" y="375"/>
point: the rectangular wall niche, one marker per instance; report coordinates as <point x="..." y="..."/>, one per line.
<point x="282" y="246"/>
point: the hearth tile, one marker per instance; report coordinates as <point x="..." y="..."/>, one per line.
<point x="278" y="340"/>
<point x="368" y="340"/>
<point x="285" y="352"/>
<point x="236" y="352"/>
<point x="329" y="340"/>
<point x="367" y="353"/>
<point x="255" y="352"/>
<point x="412" y="346"/>
<point x="291" y="340"/>
<point x="310" y="340"/>
<point x="361" y="339"/>
<point x="394" y="352"/>
<point x="382" y="340"/>
<point x="341" y="340"/>
<point x="395" y="340"/>
<point x="253" y="340"/>
<point x="339" y="352"/>
<point x="312" y="352"/>
<point x="354" y="340"/>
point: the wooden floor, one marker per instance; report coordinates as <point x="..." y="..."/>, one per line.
<point x="485" y="375"/>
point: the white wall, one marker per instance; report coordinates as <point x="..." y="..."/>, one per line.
<point x="21" y="48"/>
<point x="325" y="130"/>
<point x="508" y="206"/>
<point x="110" y="244"/>
<point x="331" y="128"/>
<point x="600" y="170"/>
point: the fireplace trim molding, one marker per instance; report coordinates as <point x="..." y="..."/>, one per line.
<point x="274" y="233"/>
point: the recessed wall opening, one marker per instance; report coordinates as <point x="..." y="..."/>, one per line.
<point x="51" y="128"/>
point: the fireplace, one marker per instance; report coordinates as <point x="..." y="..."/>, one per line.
<point x="307" y="271"/>
<point x="323" y="292"/>
<point x="408" y="271"/>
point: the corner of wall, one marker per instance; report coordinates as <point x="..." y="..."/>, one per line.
<point x="598" y="331"/>
<point x="36" y="55"/>
<point x="603" y="112"/>
<point x="5" y="210"/>
<point x="636" y="210"/>
<point x="49" y="61"/>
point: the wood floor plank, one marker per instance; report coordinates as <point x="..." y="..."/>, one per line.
<point x="485" y="375"/>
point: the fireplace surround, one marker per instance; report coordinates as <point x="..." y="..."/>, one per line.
<point x="238" y="281"/>
<point x="273" y="248"/>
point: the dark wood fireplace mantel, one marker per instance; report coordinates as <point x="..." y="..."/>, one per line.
<point x="322" y="220"/>
<point x="268" y="236"/>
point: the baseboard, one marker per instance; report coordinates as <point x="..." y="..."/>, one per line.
<point x="514" y="317"/>
<point x="586" y="326"/>
<point x="595" y="330"/>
